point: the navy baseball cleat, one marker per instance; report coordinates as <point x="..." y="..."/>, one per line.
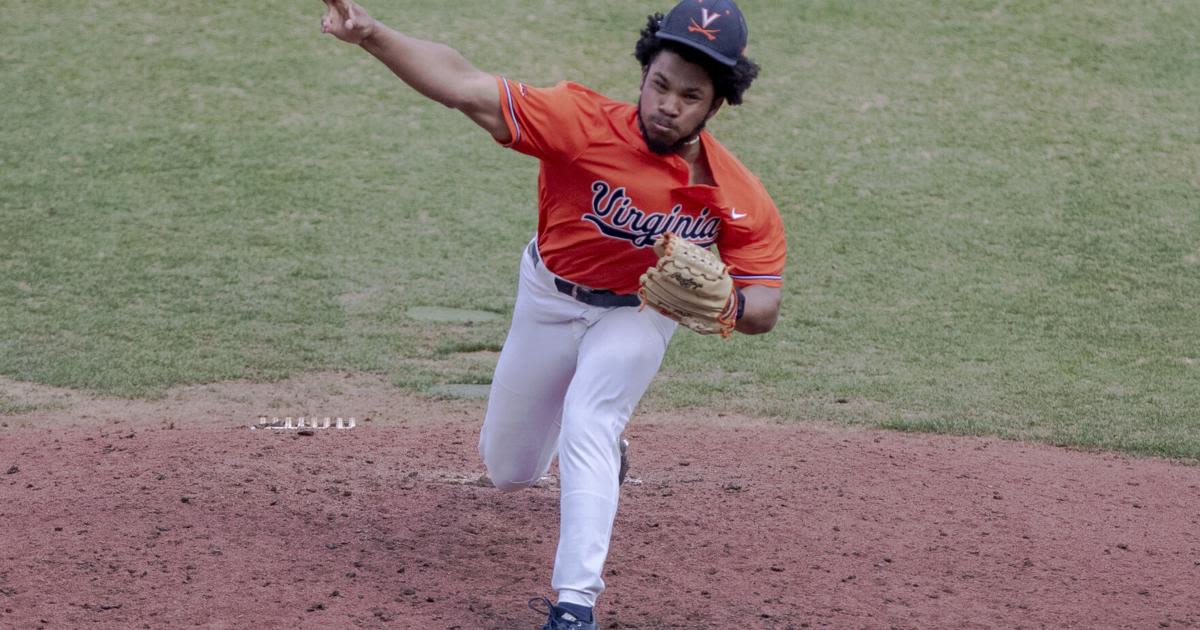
<point x="559" y="618"/>
<point x="624" y="462"/>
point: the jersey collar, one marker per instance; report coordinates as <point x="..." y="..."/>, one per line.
<point x="708" y="195"/>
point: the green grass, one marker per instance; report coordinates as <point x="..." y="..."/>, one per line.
<point x="993" y="207"/>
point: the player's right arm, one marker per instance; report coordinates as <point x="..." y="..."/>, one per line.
<point x="435" y="70"/>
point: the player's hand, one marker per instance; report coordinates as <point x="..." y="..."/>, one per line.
<point x="347" y="21"/>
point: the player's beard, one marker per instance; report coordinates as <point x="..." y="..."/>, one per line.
<point x="662" y="148"/>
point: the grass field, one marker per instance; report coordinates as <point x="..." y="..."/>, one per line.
<point x="993" y="207"/>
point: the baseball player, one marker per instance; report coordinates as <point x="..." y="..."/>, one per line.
<point x="630" y="199"/>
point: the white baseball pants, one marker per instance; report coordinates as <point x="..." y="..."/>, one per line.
<point x="568" y="378"/>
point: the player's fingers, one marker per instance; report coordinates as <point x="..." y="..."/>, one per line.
<point x="356" y="16"/>
<point x="329" y="19"/>
<point x="337" y="11"/>
<point x="333" y="17"/>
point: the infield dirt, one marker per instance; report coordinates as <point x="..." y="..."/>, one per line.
<point x="173" y="513"/>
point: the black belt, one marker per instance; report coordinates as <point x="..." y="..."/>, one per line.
<point x="591" y="297"/>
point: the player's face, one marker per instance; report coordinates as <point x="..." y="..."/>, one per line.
<point x="676" y="101"/>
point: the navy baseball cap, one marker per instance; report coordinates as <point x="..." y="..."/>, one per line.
<point x="713" y="27"/>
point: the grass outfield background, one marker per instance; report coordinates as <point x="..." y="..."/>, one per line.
<point x="993" y="207"/>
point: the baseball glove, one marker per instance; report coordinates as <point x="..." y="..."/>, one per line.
<point x="692" y="286"/>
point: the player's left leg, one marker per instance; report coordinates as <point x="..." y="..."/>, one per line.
<point x="520" y="429"/>
<point x="618" y="357"/>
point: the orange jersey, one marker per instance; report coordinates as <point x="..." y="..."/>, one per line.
<point x="604" y="197"/>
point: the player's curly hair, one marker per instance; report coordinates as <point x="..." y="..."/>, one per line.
<point x="728" y="83"/>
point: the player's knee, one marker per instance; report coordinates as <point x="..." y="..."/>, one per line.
<point x="507" y="478"/>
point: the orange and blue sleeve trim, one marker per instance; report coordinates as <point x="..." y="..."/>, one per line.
<point x="508" y="108"/>
<point x="741" y="279"/>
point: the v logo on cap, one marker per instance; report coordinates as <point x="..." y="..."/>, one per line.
<point x="711" y="34"/>
<point x="692" y="23"/>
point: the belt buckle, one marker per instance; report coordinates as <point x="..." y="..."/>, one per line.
<point x="580" y="293"/>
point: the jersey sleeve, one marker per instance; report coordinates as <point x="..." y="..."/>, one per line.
<point x="754" y="247"/>
<point x="547" y="123"/>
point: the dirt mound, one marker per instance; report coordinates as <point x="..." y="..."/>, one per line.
<point x="175" y="514"/>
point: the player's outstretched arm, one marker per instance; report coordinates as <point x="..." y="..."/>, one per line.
<point x="435" y="70"/>
<point x="762" y="309"/>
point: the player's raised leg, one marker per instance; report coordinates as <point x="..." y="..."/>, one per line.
<point x="520" y="430"/>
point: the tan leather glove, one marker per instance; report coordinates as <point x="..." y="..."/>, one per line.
<point x="692" y="286"/>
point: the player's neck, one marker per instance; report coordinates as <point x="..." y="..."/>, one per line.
<point x="691" y="151"/>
